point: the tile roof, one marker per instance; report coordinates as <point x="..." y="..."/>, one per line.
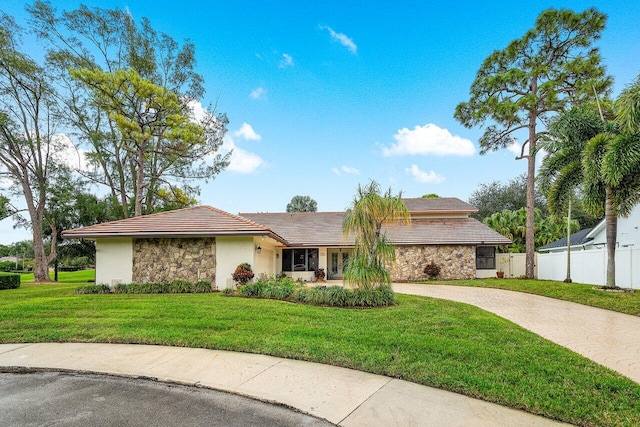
<point x="193" y="221"/>
<point x="301" y="228"/>
<point x="325" y="229"/>
<point x="439" y="204"/>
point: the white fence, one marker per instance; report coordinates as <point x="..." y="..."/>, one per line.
<point x="591" y="266"/>
<point x="513" y="265"/>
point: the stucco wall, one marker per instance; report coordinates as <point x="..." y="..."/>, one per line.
<point x="455" y="261"/>
<point x="114" y="261"/>
<point x="165" y="260"/>
<point x="230" y="252"/>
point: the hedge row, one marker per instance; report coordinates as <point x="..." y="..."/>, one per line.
<point x="9" y="281"/>
<point x="175" y="287"/>
<point x="286" y="289"/>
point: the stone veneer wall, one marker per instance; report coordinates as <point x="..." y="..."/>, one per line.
<point x="455" y="261"/>
<point x="168" y="259"/>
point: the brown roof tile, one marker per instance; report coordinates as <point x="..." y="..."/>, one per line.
<point x="194" y="221"/>
<point x="325" y="229"/>
<point x="438" y="204"/>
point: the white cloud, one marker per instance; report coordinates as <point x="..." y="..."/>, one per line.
<point x="515" y="147"/>
<point x="69" y="154"/>
<point x="197" y="110"/>
<point x="428" y="139"/>
<point x="242" y="161"/>
<point x="247" y="132"/>
<point x="343" y="39"/>
<point x="346" y="169"/>
<point x="5" y="183"/>
<point x="258" y="93"/>
<point x="286" y="61"/>
<point x="426" y="177"/>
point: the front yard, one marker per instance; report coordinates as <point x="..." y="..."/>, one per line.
<point x="433" y="342"/>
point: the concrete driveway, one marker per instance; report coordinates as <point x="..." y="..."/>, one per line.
<point x="609" y="338"/>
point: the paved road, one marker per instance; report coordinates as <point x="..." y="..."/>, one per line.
<point x="609" y="338"/>
<point x="70" y="400"/>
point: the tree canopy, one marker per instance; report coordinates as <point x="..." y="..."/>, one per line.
<point x="302" y="204"/>
<point x="130" y="98"/>
<point x="496" y="196"/>
<point x="551" y="67"/>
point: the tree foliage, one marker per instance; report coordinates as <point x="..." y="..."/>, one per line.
<point x="302" y="204"/>
<point x="611" y="167"/>
<point x="551" y="67"/>
<point x="601" y="159"/>
<point x="512" y="224"/>
<point x="370" y="210"/>
<point x="29" y="147"/>
<point x="496" y="196"/>
<point x="133" y="95"/>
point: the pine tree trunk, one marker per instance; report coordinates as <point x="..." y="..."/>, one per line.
<point x="531" y="175"/>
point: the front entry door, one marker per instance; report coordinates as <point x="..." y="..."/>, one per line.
<point x="338" y="260"/>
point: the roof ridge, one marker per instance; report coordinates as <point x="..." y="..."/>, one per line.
<point x="238" y="217"/>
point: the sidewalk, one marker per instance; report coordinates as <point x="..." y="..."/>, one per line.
<point x="342" y="396"/>
<point x="609" y="338"/>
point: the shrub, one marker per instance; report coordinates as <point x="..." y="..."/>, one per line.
<point x="228" y="292"/>
<point x="175" y="287"/>
<point x="331" y="296"/>
<point x="93" y="289"/>
<point x="252" y="290"/>
<point x="7" y="265"/>
<point x="243" y="274"/>
<point x="319" y="273"/>
<point x="432" y="270"/>
<point x="9" y="281"/>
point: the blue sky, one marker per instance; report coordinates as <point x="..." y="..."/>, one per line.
<point x="322" y="96"/>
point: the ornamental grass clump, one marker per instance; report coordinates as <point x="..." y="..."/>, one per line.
<point x="286" y="289"/>
<point x="175" y="287"/>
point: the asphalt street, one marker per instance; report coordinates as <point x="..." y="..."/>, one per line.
<point x="66" y="399"/>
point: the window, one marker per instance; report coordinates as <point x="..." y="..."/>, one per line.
<point x="485" y="258"/>
<point x="300" y="259"/>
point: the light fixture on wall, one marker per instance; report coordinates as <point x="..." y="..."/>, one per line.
<point x="258" y="249"/>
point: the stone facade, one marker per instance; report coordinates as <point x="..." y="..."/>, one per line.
<point x="165" y="260"/>
<point x="455" y="262"/>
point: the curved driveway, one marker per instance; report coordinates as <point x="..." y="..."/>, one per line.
<point x="609" y="338"/>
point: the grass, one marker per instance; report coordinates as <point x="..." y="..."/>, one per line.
<point x="427" y="341"/>
<point x="623" y="302"/>
<point x="81" y="276"/>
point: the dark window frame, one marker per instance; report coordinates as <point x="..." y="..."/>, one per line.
<point x="301" y="259"/>
<point x="484" y="260"/>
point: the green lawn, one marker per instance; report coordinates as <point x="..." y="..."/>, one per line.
<point x="428" y="341"/>
<point x="82" y="276"/>
<point x="623" y="302"/>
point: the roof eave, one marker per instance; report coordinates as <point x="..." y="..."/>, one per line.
<point x="143" y="235"/>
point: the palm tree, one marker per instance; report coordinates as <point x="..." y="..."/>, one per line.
<point x="611" y="166"/>
<point x="369" y="211"/>
<point x="561" y="173"/>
